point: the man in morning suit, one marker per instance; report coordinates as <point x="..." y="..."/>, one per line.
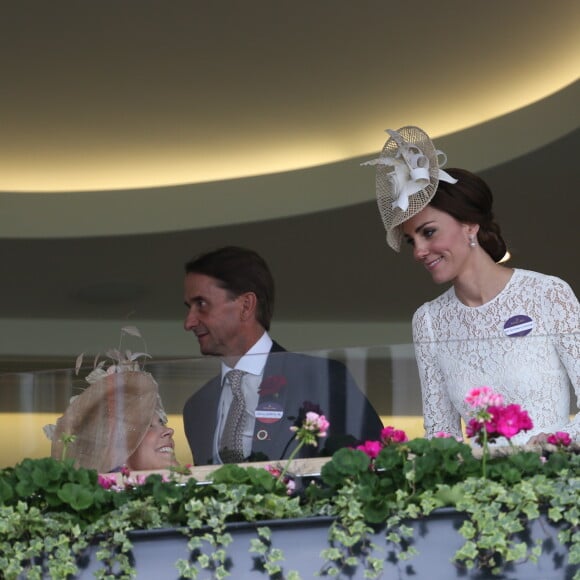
<point x="229" y="294"/>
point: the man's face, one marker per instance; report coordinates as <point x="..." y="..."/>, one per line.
<point x="214" y="316"/>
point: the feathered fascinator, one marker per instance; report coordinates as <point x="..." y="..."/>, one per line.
<point x="104" y="425"/>
<point x="408" y="172"/>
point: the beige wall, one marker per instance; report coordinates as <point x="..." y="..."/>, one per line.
<point x="165" y="339"/>
<point x="21" y="435"/>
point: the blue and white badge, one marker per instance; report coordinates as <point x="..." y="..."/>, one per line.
<point x="269" y="412"/>
<point x="519" y="325"/>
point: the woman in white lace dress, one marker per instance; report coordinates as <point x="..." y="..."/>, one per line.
<point x="514" y="330"/>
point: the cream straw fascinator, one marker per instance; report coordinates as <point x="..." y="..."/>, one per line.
<point x="108" y="420"/>
<point x="103" y="426"/>
<point x="408" y="172"/>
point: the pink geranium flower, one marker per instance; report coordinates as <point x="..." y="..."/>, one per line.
<point x="314" y="425"/>
<point x="493" y="418"/>
<point x="287" y="481"/>
<point x="107" y="481"/>
<point x="317" y="423"/>
<point x="560" y="438"/>
<point x="391" y="435"/>
<point x="371" y="448"/>
<point x="138" y="479"/>
<point x="473" y="427"/>
<point x="442" y="435"/>
<point x="482" y="397"/>
<point x="275" y="471"/>
<point x="507" y="421"/>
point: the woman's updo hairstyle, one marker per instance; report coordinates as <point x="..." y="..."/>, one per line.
<point x="470" y="201"/>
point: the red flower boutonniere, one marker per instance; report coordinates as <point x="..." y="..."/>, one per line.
<point x="272" y="385"/>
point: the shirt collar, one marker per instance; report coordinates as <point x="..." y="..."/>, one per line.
<point x="254" y="360"/>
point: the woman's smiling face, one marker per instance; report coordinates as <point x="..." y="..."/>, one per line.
<point x="156" y="450"/>
<point x="440" y="243"/>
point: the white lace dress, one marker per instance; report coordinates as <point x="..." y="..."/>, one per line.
<point x="525" y="344"/>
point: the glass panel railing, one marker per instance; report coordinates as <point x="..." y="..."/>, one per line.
<point x="386" y="374"/>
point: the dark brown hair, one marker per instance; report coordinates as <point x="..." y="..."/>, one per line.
<point x="239" y="270"/>
<point x="470" y="201"/>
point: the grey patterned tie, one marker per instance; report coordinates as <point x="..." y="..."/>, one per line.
<point x="231" y="446"/>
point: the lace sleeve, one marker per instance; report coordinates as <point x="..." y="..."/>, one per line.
<point x="439" y="414"/>
<point x="563" y="313"/>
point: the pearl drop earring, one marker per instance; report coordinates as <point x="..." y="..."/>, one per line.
<point x="472" y="242"/>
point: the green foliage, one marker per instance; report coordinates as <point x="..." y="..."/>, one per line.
<point x="408" y="480"/>
<point x="47" y="483"/>
<point x="349" y="537"/>
<point x="415" y="467"/>
<point x="50" y="512"/>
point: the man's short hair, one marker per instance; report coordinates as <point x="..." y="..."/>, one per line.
<point x="239" y="270"/>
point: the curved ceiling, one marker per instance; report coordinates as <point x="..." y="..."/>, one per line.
<point x="147" y="116"/>
<point x="136" y="134"/>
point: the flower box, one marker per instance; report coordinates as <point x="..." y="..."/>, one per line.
<point x="301" y="541"/>
<point x="403" y="509"/>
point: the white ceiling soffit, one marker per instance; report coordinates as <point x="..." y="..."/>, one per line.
<point x="147" y="116"/>
<point x="202" y="205"/>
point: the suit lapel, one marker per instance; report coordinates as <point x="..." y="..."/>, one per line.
<point x="272" y="430"/>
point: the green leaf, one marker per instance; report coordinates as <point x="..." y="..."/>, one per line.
<point x="449" y="496"/>
<point x="75" y="495"/>
<point x="6" y="492"/>
<point x="345" y="463"/>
